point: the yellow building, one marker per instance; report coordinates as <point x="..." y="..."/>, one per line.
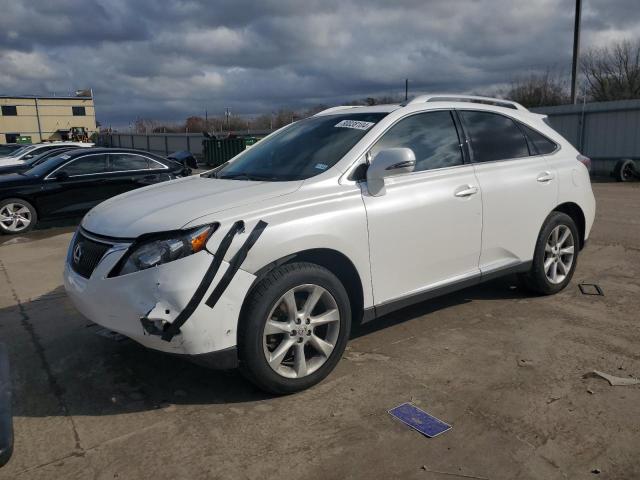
<point x="45" y="118"/>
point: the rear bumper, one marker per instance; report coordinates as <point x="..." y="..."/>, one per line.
<point x="6" y="419"/>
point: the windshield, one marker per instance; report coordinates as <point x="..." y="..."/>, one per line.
<point x="302" y="150"/>
<point x="20" y="151"/>
<point x="41" y="157"/>
<point x="45" y="167"/>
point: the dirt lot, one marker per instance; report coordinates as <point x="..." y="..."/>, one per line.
<point x="504" y="368"/>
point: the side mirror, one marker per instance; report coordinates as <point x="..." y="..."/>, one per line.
<point x="61" y="176"/>
<point x="27" y="157"/>
<point x="387" y="162"/>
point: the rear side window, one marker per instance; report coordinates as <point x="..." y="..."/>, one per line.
<point x="88" y="165"/>
<point x="494" y="136"/>
<point x="432" y="136"/>
<point x="122" y="162"/>
<point x="541" y="144"/>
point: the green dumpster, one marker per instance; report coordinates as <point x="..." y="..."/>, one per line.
<point x="216" y="151"/>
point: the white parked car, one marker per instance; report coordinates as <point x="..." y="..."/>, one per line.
<point x="27" y="152"/>
<point x="265" y="262"/>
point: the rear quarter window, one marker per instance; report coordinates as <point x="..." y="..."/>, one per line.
<point x="541" y="144"/>
<point x="122" y="162"/>
<point x="494" y="136"/>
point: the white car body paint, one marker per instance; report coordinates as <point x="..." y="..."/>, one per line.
<point x="34" y="150"/>
<point x="416" y="237"/>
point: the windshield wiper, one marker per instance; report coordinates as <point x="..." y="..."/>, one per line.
<point x="245" y="176"/>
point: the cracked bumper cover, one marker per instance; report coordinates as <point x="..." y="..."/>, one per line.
<point x="158" y="295"/>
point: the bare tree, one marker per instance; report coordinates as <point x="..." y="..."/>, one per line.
<point x="144" y="125"/>
<point x="539" y="90"/>
<point x="613" y="73"/>
<point x="382" y="100"/>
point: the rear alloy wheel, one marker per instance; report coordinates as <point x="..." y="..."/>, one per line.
<point x="559" y="251"/>
<point x="555" y="256"/>
<point x="16" y="216"/>
<point x="294" y="328"/>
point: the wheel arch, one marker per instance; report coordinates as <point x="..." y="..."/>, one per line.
<point x="577" y="215"/>
<point x="334" y="261"/>
<point x="24" y="198"/>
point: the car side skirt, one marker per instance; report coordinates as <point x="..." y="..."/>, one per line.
<point x="377" y="311"/>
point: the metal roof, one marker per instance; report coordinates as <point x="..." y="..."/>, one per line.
<point x="45" y="97"/>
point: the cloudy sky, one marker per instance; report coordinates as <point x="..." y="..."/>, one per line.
<point x="168" y="59"/>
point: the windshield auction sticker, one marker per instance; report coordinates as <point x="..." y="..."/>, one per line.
<point x="358" y="125"/>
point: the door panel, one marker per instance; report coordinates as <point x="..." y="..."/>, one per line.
<point x="516" y="200"/>
<point x="519" y="188"/>
<point x="424" y="232"/>
<point x="421" y="234"/>
<point x="72" y="196"/>
<point x="131" y="171"/>
<point x="78" y="193"/>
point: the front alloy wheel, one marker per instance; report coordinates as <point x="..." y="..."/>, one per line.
<point x="294" y="327"/>
<point x="16" y="216"/>
<point x="301" y="331"/>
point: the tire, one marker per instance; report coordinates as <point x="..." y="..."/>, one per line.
<point x="540" y="279"/>
<point x="625" y="170"/>
<point x="293" y="332"/>
<point x="26" y="219"/>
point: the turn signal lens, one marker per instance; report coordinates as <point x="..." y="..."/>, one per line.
<point x="199" y="238"/>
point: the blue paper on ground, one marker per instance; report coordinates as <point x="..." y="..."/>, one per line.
<point x="419" y="420"/>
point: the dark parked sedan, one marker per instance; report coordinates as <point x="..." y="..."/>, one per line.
<point x="70" y="184"/>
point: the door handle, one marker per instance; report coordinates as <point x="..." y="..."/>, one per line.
<point x="545" y="177"/>
<point x="466" y="191"/>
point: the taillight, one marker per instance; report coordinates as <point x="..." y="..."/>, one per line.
<point x="586" y="161"/>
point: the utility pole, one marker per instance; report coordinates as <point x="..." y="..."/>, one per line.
<point x="38" y="117"/>
<point x="576" y="52"/>
<point x="227" y="114"/>
<point x="406" y="89"/>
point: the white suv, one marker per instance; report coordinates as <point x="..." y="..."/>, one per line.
<point x="264" y="262"/>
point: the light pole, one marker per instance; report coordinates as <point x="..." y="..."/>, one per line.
<point x="576" y="51"/>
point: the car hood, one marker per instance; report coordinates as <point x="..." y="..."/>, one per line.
<point x="5" y="169"/>
<point x="171" y="205"/>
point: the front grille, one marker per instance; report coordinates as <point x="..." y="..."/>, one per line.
<point x="86" y="254"/>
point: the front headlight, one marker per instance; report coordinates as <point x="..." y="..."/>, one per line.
<point x="164" y="248"/>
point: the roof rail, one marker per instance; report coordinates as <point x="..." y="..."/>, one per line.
<point x="443" y="97"/>
<point x="335" y="109"/>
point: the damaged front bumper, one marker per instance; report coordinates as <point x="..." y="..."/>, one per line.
<point x="141" y="305"/>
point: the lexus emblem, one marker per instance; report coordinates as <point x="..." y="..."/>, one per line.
<point x="77" y="253"/>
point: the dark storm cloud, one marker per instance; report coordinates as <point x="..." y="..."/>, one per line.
<point x="170" y="59"/>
